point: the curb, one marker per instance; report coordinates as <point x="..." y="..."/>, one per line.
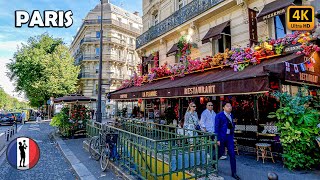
<point x="112" y="166"/>
<point x="80" y="169"/>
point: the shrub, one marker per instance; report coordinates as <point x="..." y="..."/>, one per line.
<point x="298" y="129"/>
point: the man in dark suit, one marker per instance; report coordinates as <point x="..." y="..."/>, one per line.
<point x="224" y="128"/>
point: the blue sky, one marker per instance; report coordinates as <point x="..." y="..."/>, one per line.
<point x="11" y="37"/>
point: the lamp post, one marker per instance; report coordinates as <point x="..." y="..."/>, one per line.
<point x="98" y="113"/>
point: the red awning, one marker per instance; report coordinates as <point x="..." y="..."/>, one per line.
<point x="215" y="32"/>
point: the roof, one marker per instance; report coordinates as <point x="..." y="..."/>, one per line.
<point x="272" y="7"/>
<point x="215" y="32"/>
<point x="251" y="79"/>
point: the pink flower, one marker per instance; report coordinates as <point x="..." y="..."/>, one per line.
<point x="299" y="52"/>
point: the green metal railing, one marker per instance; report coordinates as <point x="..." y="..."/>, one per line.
<point x="154" y="151"/>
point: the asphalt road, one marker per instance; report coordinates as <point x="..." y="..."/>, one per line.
<point x="52" y="164"/>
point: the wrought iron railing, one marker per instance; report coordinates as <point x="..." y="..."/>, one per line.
<point x="108" y="21"/>
<point x="153" y="151"/>
<point x="189" y="11"/>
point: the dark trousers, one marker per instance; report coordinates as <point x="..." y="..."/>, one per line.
<point x="228" y="142"/>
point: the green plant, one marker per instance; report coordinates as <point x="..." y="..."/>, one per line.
<point x="61" y="120"/>
<point x="298" y="129"/>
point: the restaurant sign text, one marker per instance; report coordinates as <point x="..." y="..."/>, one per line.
<point x="200" y="90"/>
<point x="150" y="94"/>
<point x="123" y="96"/>
<point x="308" y="77"/>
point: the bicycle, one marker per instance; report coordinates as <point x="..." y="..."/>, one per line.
<point x="103" y="147"/>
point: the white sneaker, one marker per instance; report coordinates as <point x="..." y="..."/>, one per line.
<point x="223" y="157"/>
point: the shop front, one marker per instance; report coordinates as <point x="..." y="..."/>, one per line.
<point x="248" y="91"/>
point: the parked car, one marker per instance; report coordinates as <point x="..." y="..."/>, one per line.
<point x="18" y="116"/>
<point x="6" y="118"/>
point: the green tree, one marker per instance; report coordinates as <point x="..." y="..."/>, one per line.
<point x="43" y="68"/>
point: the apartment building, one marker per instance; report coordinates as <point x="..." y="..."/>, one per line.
<point x="213" y="25"/>
<point x="120" y="29"/>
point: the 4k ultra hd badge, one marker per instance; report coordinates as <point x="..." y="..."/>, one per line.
<point x="300" y="18"/>
<point x="23" y="153"/>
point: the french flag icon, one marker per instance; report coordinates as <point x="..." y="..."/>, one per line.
<point x="23" y="153"/>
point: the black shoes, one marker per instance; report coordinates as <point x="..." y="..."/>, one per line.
<point x="235" y="176"/>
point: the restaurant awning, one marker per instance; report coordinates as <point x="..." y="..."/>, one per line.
<point x="273" y="9"/>
<point x="73" y="98"/>
<point x="308" y="77"/>
<point x="253" y="79"/>
<point x="173" y="49"/>
<point x="215" y="32"/>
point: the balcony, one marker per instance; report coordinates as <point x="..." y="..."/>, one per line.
<point x="87" y="75"/>
<point x="113" y="40"/>
<point x="94" y="57"/>
<point x="111" y="22"/>
<point x="189" y="11"/>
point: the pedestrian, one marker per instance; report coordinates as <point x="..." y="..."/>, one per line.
<point x="207" y="122"/>
<point x="38" y="117"/>
<point x="23" y="116"/>
<point x="191" y="121"/>
<point x="224" y="128"/>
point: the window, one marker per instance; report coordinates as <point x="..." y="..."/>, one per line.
<point x="97" y="51"/>
<point x="97" y="34"/>
<point x="280" y="26"/>
<point x="119" y="19"/>
<point x="130" y="24"/>
<point x="97" y="68"/>
<point x="180" y="4"/>
<point x="155" y="18"/>
<point x="223" y="43"/>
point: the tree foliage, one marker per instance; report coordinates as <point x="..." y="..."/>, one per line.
<point x="9" y="103"/>
<point x="43" y="68"/>
<point x="298" y="121"/>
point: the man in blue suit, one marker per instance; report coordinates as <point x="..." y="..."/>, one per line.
<point x="224" y="128"/>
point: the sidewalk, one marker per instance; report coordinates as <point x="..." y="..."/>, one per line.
<point x="248" y="167"/>
<point x="85" y="167"/>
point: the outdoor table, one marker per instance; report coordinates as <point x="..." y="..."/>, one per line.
<point x="262" y="152"/>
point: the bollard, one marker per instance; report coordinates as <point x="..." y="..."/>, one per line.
<point x="8" y="133"/>
<point x="12" y="130"/>
<point x="272" y="176"/>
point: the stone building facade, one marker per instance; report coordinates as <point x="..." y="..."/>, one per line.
<point x="165" y="21"/>
<point x="120" y="29"/>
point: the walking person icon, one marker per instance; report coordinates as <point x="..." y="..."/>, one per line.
<point x="22" y="153"/>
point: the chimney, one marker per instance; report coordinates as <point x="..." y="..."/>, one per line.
<point x="136" y="13"/>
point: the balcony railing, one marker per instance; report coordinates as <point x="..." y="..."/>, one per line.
<point x="104" y="76"/>
<point x="105" y="40"/>
<point x="109" y="21"/>
<point x="189" y="11"/>
<point x="94" y="57"/>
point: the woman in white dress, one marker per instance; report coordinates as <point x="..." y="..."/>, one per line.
<point x="191" y="121"/>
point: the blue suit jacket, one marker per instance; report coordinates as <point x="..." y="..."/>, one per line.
<point x="221" y="126"/>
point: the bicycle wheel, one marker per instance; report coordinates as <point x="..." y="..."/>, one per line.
<point x="94" y="147"/>
<point x="105" y="157"/>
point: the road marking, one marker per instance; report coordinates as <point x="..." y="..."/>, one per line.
<point x="20" y="128"/>
<point x="1" y="134"/>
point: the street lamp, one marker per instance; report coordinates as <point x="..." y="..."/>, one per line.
<point x="98" y="113"/>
